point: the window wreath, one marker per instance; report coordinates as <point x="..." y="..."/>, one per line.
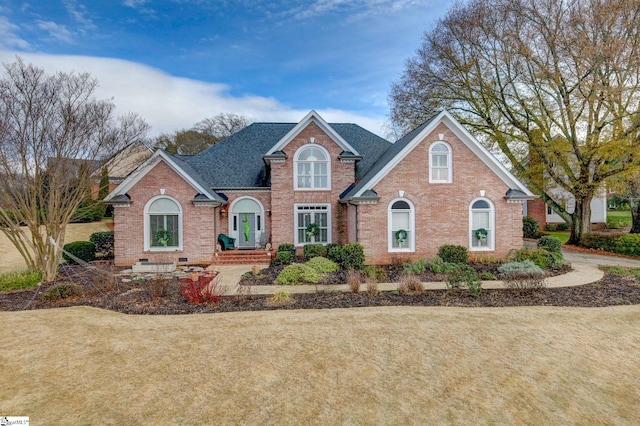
<point x="163" y="237"/>
<point x="481" y="234"/>
<point x="401" y="236"/>
<point x="313" y="230"/>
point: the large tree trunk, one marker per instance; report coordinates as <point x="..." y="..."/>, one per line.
<point x="580" y="220"/>
<point x="635" y="216"/>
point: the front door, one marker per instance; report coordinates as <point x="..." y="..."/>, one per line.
<point x="246" y="230"/>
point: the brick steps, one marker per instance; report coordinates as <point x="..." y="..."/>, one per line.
<point x="242" y="257"/>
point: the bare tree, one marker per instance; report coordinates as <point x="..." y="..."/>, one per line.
<point x="51" y="130"/>
<point x="553" y="81"/>
<point x="202" y="135"/>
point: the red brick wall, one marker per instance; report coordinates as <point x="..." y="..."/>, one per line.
<point x="441" y="210"/>
<point x="283" y="196"/>
<point x="198" y="222"/>
<point x="537" y="209"/>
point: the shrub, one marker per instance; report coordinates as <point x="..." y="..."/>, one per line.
<point x="103" y="242"/>
<point x="628" y="244"/>
<point x="526" y="266"/>
<point x="89" y="210"/>
<point x="438" y="266"/>
<point x="453" y="253"/>
<point x="541" y="257"/>
<point x="597" y="241"/>
<point x="463" y="274"/>
<point x="487" y="276"/>
<point x="530" y="227"/>
<point x="83" y="250"/>
<point x="17" y="280"/>
<point x="550" y="227"/>
<point x="281" y="298"/>
<point x="322" y="265"/>
<point x="160" y="285"/>
<point x="298" y="273"/>
<point x="285" y="247"/>
<point x="62" y="291"/>
<point x="418" y="267"/>
<point x="374" y="273"/>
<point x="284" y="257"/>
<point x="206" y="290"/>
<point x="410" y="284"/>
<point x="353" y="256"/>
<point x="563" y="226"/>
<point x="372" y="289"/>
<point x="354" y="280"/>
<point x="522" y="275"/>
<point x="551" y="244"/>
<point x="334" y="252"/>
<point x="314" y="250"/>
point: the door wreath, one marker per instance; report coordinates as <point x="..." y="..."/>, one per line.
<point x="313" y="230"/>
<point x="163" y="237"/>
<point x="481" y="234"/>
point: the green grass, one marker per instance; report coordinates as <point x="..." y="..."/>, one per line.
<point x="17" y="280"/>
<point x="563" y="236"/>
<point x="620" y="270"/>
<point x="619" y="214"/>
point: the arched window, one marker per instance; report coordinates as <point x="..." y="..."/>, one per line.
<point x="440" y="170"/>
<point x="482" y="225"/>
<point x="163" y="227"/>
<point x="312" y="168"/>
<point x="401" y="225"/>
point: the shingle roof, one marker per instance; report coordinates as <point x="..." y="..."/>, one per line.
<point x="236" y="162"/>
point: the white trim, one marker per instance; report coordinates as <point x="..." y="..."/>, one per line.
<point x="449" y="163"/>
<point x="312" y="117"/>
<point x="412" y="225"/>
<point x="295" y="222"/>
<point x="472" y="143"/>
<point x="295" y="169"/>
<point x="257" y="233"/>
<point x="147" y="241"/>
<point x="492" y="224"/>
<point x="131" y="180"/>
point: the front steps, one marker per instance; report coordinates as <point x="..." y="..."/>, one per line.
<point x="243" y="257"/>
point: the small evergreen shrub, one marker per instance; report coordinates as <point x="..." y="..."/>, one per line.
<point x="524" y="275"/>
<point x="439" y="266"/>
<point x="335" y="253"/>
<point x="284" y="257"/>
<point x="628" y="244"/>
<point x="103" y="242"/>
<point x="541" y="257"/>
<point x="285" y="247"/>
<point x="89" y="210"/>
<point x="374" y="273"/>
<point x="84" y="250"/>
<point x="418" y="267"/>
<point x="353" y="256"/>
<point x="314" y="250"/>
<point x="550" y="243"/>
<point x="597" y="241"/>
<point x="453" y="254"/>
<point x="530" y="227"/>
<point x="298" y="273"/>
<point x="526" y="266"/>
<point x="322" y="265"/>
<point x="550" y="227"/>
<point x="62" y="291"/>
<point x="563" y="226"/>
<point x="463" y="274"/>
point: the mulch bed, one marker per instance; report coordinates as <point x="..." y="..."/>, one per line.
<point x="164" y="297"/>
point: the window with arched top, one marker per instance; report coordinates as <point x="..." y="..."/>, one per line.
<point x="312" y="168"/>
<point x="482" y="225"/>
<point x="401" y="225"/>
<point x="440" y="163"/>
<point x="163" y="224"/>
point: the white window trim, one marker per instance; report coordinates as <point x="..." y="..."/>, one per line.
<point x="258" y="233"/>
<point x="492" y="223"/>
<point x="412" y="223"/>
<point x="147" y="241"/>
<point x="295" y="221"/>
<point x="295" y="169"/>
<point x="449" y="163"/>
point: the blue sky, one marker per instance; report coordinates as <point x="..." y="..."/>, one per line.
<point x="176" y="62"/>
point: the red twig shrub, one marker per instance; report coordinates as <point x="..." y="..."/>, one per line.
<point x="206" y="289"/>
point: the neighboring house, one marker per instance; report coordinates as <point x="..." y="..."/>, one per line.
<point x="120" y="166"/>
<point x="315" y="182"/>
<point x="544" y="214"/>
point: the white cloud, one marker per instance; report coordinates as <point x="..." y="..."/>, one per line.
<point x="170" y="103"/>
<point x="8" y="37"/>
<point x="58" y="32"/>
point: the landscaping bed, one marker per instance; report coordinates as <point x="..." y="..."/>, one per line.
<point x="163" y="297"/>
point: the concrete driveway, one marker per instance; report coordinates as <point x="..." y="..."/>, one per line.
<point x="576" y="256"/>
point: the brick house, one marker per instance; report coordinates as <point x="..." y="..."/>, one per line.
<point x="315" y="182"/>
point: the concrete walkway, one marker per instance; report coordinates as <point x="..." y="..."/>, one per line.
<point x="585" y="271"/>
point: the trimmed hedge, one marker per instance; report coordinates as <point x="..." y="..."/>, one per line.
<point x="84" y="250"/>
<point x="453" y="254"/>
<point x="314" y="250"/>
<point x="353" y="256"/>
<point x="334" y="252"/>
<point x="607" y="242"/>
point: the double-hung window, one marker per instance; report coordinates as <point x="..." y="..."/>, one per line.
<point x="440" y="170"/>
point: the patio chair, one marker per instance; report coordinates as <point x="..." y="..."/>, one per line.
<point x="264" y="239"/>
<point x="226" y="242"/>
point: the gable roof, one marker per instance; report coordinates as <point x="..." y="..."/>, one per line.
<point x="312" y="117"/>
<point x="405" y="145"/>
<point x="179" y="166"/>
